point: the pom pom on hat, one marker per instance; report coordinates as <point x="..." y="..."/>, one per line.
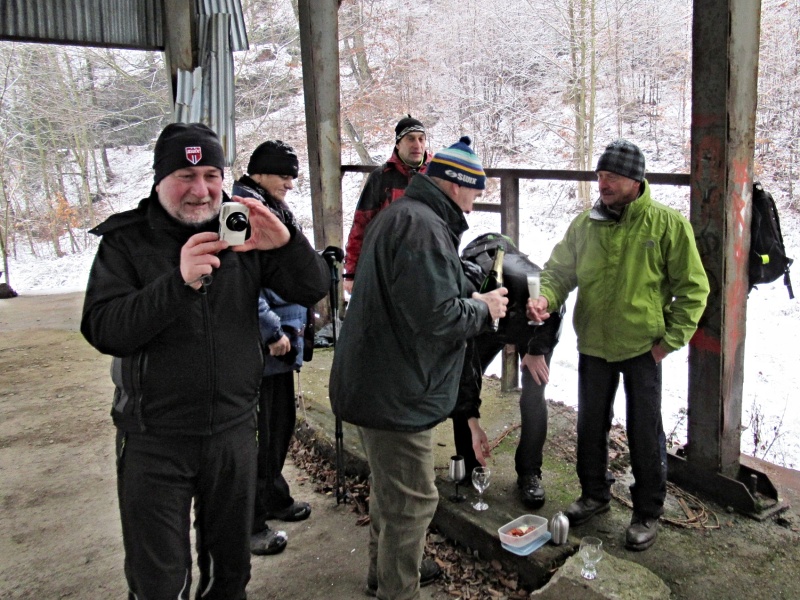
<point x="623" y="158"/>
<point x="273" y="157"/>
<point x="405" y="126"/>
<point x="182" y="145"/>
<point x="458" y="164"/>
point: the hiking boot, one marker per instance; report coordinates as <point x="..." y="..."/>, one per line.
<point x="268" y="541"/>
<point x="297" y="511"/>
<point x="531" y="490"/>
<point x="641" y="533"/>
<point x="584" y="509"/>
<point x="428" y="572"/>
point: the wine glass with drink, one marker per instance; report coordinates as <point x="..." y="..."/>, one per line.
<point x="534" y="286"/>
<point x="481" y="477"/>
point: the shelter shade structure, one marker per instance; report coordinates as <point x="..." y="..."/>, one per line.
<point x="724" y="72"/>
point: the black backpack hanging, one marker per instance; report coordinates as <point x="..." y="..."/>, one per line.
<point x="767" y="259"/>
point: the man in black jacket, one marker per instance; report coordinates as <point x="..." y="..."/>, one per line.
<point x="177" y="309"/>
<point x="398" y="360"/>
<point x="271" y="172"/>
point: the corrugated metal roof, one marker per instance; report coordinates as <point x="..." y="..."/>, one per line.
<point x="206" y="94"/>
<point x="108" y="23"/>
<point x="114" y="23"/>
<point x="218" y="88"/>
<point x="233" y="8"/>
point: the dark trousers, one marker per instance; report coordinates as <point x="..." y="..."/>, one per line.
<point x="533" y="416"/>
<point x="598" y="381"/>
<point x="277" y="416"/>
<point x="158" y="477"/>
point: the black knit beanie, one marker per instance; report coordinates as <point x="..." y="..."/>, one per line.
<point x="405" y="126"/>
<point x="183" y="145"/>
<point x="623" y="158"/>
<point x="274" y="157"/>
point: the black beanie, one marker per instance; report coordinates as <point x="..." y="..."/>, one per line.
<point x="183" y="145"/>
<point x="273" y="157"/>
<point x="405" y="126"/>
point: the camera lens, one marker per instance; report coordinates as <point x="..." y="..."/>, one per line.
<point x="236" y="222"/>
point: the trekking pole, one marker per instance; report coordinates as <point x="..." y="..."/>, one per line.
<point x="334" y="255"/>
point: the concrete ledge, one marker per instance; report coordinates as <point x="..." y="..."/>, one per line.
<point x="617" y="579"/>
<point x="620" y="579"/>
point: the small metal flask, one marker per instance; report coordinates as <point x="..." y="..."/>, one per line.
<point x="559" y="528"/>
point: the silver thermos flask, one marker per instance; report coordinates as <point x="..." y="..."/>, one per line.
<point x="559" y="528"/>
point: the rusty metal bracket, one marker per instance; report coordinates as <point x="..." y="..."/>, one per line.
<point x="751" y="492"/>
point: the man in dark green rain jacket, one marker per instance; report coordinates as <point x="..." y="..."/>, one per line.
<point x="397" y="365"/>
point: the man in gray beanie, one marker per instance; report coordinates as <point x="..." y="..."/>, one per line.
<point x="176" y="309"/>
<point x="641" y="292"/>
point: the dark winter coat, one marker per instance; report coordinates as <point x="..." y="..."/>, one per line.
<point x="401" y="349"/>
<point x="185" y="361"/>
<point x="384" y="185"/>
<point x="276" y="316"/>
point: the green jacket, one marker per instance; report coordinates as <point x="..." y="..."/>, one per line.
<point x="401" y="349"/>
<point x="640" y="280"/>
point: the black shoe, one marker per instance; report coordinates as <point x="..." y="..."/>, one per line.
<point x="297" y="511"/>
<point x="584" y="509"/>
<point x="641" y="533"/>
<point x="428" y="572"/>
<point x="531" y="490"/>
<point x="268" y="542"/>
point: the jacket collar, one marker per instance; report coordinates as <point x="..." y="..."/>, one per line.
<point x="599" y="212"/>
<point x="407" y="170"/>
<point x="423" y="189"/>
<point x="251" y="185"/>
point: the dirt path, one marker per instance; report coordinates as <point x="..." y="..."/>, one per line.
<point x="59" y="527"/>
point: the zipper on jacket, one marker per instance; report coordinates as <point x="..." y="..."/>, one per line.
<point x="141" y="364"/>
<point x="212" y="383"/>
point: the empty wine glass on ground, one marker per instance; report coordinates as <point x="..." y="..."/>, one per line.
<point x="457" y="474"/>
<point x="481" y="477"/>
<point x="591" y="553"/>
<point x="533" y="292"/>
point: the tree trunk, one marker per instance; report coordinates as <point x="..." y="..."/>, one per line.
<point x="358" y="143"/>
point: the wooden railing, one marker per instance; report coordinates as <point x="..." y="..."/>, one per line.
<point x="508" y="208"/>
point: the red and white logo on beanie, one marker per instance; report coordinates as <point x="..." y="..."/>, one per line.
<point x="194" y="154"/>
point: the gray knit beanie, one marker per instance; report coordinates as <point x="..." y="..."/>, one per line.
<point x="623" y="158"/>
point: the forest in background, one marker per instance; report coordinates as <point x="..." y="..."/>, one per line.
<point x="535" y="83"/>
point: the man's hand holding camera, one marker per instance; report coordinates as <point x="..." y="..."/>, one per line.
<point x="199" y="254"/>
<point x="267" y="231"/>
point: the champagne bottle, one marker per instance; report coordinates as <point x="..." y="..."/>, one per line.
<point x="494" y="279"/>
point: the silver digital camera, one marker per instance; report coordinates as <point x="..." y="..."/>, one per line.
<point x="234" y="224"/>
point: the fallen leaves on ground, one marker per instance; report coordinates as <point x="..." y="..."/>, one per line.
<point x="463" y="574"/>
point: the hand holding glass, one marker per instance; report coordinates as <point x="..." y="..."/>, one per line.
<point x="533" y="291"/>
<point x="481" y="477"/>
<point x="591" y="552"/>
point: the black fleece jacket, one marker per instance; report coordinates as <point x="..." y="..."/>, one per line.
<point x="185" y="362"/>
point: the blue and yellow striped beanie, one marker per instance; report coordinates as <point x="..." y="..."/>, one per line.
<point x="458" y="164"/>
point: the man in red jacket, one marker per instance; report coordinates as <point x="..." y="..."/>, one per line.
<point x="385" y="185"/>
